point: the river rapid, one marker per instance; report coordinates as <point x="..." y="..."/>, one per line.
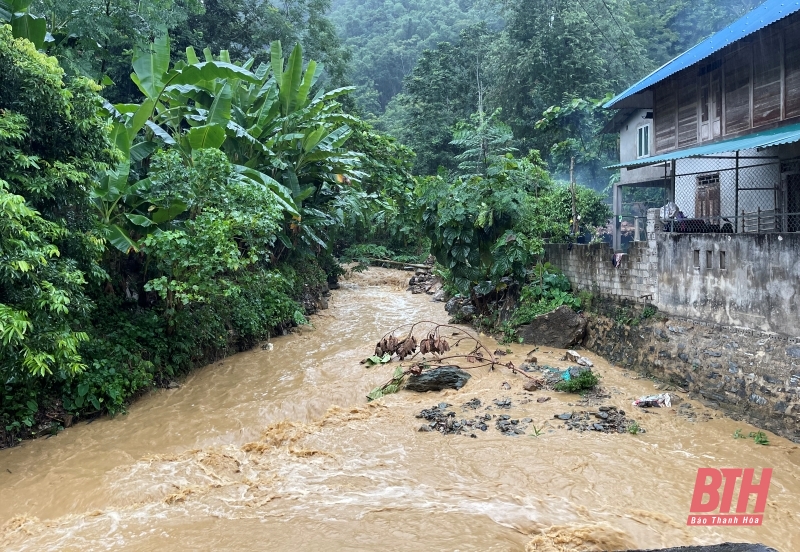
<point x="279" y="450"/>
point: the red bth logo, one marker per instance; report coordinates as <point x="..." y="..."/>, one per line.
<point x="712" y="500"/>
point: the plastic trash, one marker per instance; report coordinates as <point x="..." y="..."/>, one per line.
<point x="573" y="356"/>
<point x="654" y="400"/>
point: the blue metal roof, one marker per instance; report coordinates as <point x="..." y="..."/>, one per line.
<point x="764" y="139"/>
<point x="767" y="13"/>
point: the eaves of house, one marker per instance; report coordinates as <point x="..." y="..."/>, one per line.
<point x="640" y="94"/>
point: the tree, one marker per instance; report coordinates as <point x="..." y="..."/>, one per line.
<point x="52" y="143"/>
<point x="91" y="37"/>
<point x="445" y="88"/>
<point x="387" y="39"/>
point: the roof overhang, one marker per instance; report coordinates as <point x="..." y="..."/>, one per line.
<point x="615" y="123"/>
<point x="759" y="140"/>
<point x="766" y="14"/>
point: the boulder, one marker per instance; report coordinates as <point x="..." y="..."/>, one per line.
<point x="454" y="304"/>
<point x="461" y="307"/>
<point x="443" y="377"/>
<point x="560" y="328"/>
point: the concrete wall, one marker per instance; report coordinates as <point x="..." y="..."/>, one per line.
<point x="759" y="287"/>
<point x="727" y="333"/>
<point x="589" y="267"/>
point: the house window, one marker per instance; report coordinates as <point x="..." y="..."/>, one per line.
<point x="643" y="149"/>
<point x="709" y="257"/>
<point x="722" y="260"/>
<point x="696" y="258"/>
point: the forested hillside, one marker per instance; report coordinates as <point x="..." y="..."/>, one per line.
<point x="387" y="38"/>
<point x="520" y="57"/>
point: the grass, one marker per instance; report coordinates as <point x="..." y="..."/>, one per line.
<point x="537" y="431"/>
<point x="633" y="427"/>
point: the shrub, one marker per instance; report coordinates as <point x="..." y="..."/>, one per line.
<point x="585" y="381"/>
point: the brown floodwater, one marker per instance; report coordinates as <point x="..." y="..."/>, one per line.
<point x="279" y="450"/>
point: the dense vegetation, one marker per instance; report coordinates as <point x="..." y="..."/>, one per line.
<point x="523" y="57"/>
<point x="175" y="186"/>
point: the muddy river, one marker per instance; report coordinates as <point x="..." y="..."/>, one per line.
<point x="279" y="450"/>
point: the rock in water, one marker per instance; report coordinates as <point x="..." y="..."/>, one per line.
<point x="533" y="384"/>
<point x="560" y="328"/>
<point x="444" y="377"/>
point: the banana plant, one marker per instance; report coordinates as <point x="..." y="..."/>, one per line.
<point x="23" y="23"/>
<point x="139" y="129"/>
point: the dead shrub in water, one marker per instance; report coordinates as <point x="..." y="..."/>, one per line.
<point x="405" y="346"/>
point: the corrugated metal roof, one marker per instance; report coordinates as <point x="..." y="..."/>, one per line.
<point x="763" y="139"/>
<point x="767" y="13"/>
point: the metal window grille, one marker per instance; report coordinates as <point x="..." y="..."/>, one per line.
<point x="753" y="191"/>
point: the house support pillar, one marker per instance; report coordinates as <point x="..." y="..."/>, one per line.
<point x="616" y="205"/>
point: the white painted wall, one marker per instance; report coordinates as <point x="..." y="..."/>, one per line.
<point x="628" y="149"/>
<point x="756" y="177"/>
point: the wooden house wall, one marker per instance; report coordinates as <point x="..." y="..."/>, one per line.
<point x="760" y="88"/>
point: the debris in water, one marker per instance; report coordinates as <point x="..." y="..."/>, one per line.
<point x="472" y="404"/>
<point x="542" y="399"/>
<point x="533" y="384"/>
<point x="438" y="378"/>
<point x="573" y="356"/>
<point x="608" y="419"/>
<point x="433" y="343"/>
<point x="392" y="345"/>
<point x="505" y="385"/>
<point x="445" y="421"/>
<point x="508" y="426"/>
<point x="502" y="403"/>
<point x="662" y="400"/>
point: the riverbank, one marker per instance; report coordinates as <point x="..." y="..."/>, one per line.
<point x="280" y="448"/>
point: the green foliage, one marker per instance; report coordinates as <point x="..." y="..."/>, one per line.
<point x="475" y="224"/>
<point x="442" y="90"/>
<point x="548" y="290"/>
<point x="758" y="437"/>
<point x="51" y="141"/>
<point x="551" y="215"/>
<point x="23" y="23"/>
<point x="633" y="428"/>
<point x="648" y="312"/>
<point x="574" y="130"/>
<point x="483" y="141"/>
<point x="585" y="381"/>
<point x="509" y="334"/>
<point x="541" y="67"/>
<point x="387" y="389"/>
<point x="387" y="40"/>
<point x="375" y="359"/>
<point x="212" y="197"/>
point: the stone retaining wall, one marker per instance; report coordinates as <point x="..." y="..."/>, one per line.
<point x="752" y="375"/>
